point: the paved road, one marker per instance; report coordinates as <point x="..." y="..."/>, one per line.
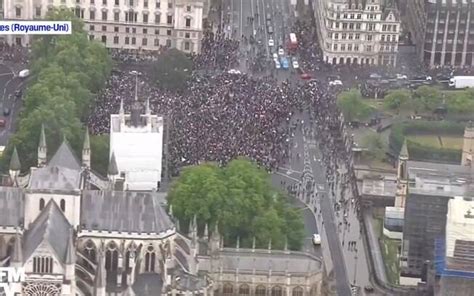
<point x="8" y="85"/>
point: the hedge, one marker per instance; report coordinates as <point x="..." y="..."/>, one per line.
<point x="418" y="151"/>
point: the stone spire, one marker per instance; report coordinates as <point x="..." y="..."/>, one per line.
<point x="238" y="243"/>
<point x="147" y="108"/>
<point x="178" y="228"/>
<point x="112" y="170"/>
<point x="253" y="244"/>
<point x="170" y="211"/>
<point x="70" y="257"/>
<point x="15" y="165"/>
<point x="404" y="151"/>
<point x="286" y="244"/>
<point x="17" y="259"/>
<point x="206" y="232"/>
<point x="100" y="277"/>
<point x="269" y="245"/>
<point x="42" y="148"/>
<point x="86" y="150"/>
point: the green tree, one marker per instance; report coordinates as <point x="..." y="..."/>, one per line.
<point x="172" y="69"/>
<point x="375" y="145"/>
<point x="352" y="106"/>
<point x="100" y="153"/>
<point x="462" y="103"/>
<point x="398" y="99"/>
<point x="241" y="199"/>
<point x="67" y="72"/>
<point x="426" y="99"/>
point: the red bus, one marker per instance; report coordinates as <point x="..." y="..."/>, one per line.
<point x="292" y="43"/>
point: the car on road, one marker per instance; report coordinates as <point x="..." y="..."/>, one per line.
<point x="281" y="51"/>
<point x="306" y="76"/>
<point x="316" y="239"/>
<point x="401" y="76"/>
<point x="295" y="64"/>
<point x="6" y="111"/>
<point x="375" y="76"/>
<point x="269" y="17"/>
<point x="270" y="30"/>
<point x="335" y="83"/>
<point x="3" y="122"/>
<point x="277" y="64"/>
<point x="24" y="73"/>
<point x="271" y="43"/>
<point x="285" y="63"/>
<point x="275" y="56"/>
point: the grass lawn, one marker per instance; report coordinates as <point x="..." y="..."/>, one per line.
<point x="427" y="140"/>
<point x="452" y="142"/>
<point x="389" y="249"/>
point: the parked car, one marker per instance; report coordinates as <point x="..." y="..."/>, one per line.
<point x="335" y="83"/>
<point x="270" y="30"/>
<point x="275" y="56"/>
<point x="316" y="239"/>
<point x="281" y="51"/>
<point x="295" y="64"/>
<point x="271" y="43"/>
<point x="24" y="73"/>
<point x="277" y="64"/>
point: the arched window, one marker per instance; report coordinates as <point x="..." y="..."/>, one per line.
<point x="90" y="250"/>
<point x="228" y="290"/>
<point x="244" y="289"/>
<point x="130" y="255"/>
<point x="150" y="258"/>
<point x="277" y="291"/>
<point x="260" y="291"/>
<point x="297" y="291"/>
<point x="313" y="291"/>
<point x="63" y="205"/>
<point x="41" y="204"/>
<point x="111" y="257"/>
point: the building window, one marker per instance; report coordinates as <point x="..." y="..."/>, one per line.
<point x="145" y="31"/>
<point x="157" y="31"/>
<point x="104" y="39"/>
<point x="127" y="30"/>
<point x="92" y="15"/>
<point x="42" y="264"/>
<point x="145" y="18"/>
<point x="127" y="40"/>
<point x="116" y="39"/>
<point x="260" y="291"/>
<point x="188" y="8"/>
<point x="368" y="48"/>
<point x="369" y="37"/>
<point x="144" y="42"/>
<point x="157" y="18"/>
<point x="38" y="11"/>
<point x="244" y="290"/>
<point x="134" y="30"/>
<point x="41" y="205"/>
<point x="117" y="3"/>
<point x="104" y="2"/>
<point x="168" y="42"/>
<point x="150" y="258"/>
<point x="116" y="29"/>
<point x="188" y="22"/>
<point x="111" y="257"/>
<point x="187" y="35"/>
<point x="170" y="5"/>
<point x="134" y="40"/>
<point x="91" y="28"/>
<point x="104" y="15"/>
<point x="104" y="28"/>
<point x="169" y="20"/>
<point x="297" y="291"/>
<point x="157" y="4"/>
<point x="92" y="2"/>
<point x="157" y="42"/>
<point x="145" y="4"/>
<point x="277" y="291"/>
<point x="168" y="32"/>
<point x="91" y="37"/>
<point x="18" y="12"/>
<point x="186" y="45"/>
<point x="228" y="290"/>
<point x="116" y="16"/>
<point x="63" y="205"/>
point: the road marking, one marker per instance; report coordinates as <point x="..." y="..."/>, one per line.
<point x="286" y="176"/>
<point x="6" y="74"/>
<point x="241" y="16"/>
<point x="253" y="17"/>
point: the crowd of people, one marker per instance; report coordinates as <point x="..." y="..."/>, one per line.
<point x="217" y="52"/>
<point x="217" y="117"/>
<point x="15" y="54"/>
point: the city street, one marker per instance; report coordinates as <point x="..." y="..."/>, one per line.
<point x="347" y="261"/>
<point x="9" y="84"/>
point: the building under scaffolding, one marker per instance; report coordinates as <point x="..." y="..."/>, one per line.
<point x="454" y="254"/>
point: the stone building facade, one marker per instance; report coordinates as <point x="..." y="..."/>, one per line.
<point x="122" y="24"/>
<point x="76" y="233"/>
<point x="357" y="31"/>
<point x="443" y="31"/>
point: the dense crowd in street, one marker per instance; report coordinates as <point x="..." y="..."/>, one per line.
<point x="14" y="54"/>
<point x="216" y="118"/>
<point x="217" y="52"/>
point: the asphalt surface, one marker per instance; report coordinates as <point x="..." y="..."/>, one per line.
<point x="8" y="85"/>
<point x="349" y="266"/>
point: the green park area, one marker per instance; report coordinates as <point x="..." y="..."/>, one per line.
<point x="435" y="135"/>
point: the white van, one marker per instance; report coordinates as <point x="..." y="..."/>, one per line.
<point x="316" y="239"/>
<point x="24" y="73"/>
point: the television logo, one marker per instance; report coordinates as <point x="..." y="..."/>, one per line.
<point x="9" y="276"/>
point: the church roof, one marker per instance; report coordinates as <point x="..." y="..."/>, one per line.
<point x="147" y="284"/>
<point x="55" y="178"/>
<point x="52" y="227"/>
<point x="124" y="211"/>
<point x="12" y="206"/>
<point x="65" y="157"/>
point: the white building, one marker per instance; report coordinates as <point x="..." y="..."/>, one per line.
<point x="357" y="31"/>
<point x="128" y="24"/>
<point x="136" y="143"/>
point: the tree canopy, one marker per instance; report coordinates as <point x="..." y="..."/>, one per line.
<point x="375" y="145"/>
<point x="67" y="71"/>
<point x="352" y="105"/>
<point x="172" y="69"/>
<point x="240" y="198"/>
<point x="398" y="99"/>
